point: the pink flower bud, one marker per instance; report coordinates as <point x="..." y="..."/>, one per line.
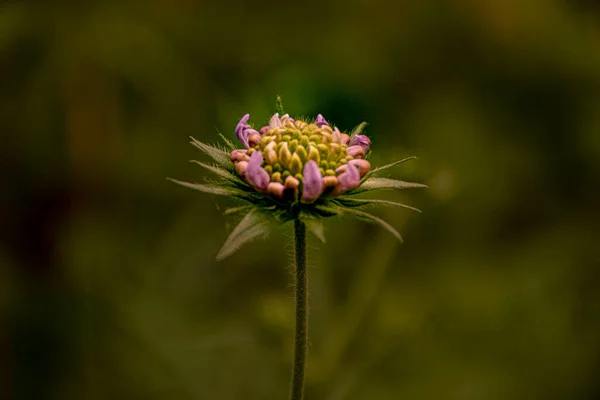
<point x="275" y="189"/>
<point x="363" y="166"/>
<point x="255" y="174"/>
<point x="360" y="140"/>
<point x="356" y="151"/>
<point x="313" y="182"/>
<point x="241" y="167"/>
<point x="239" y="155"/>
<point x="253" y="139"/>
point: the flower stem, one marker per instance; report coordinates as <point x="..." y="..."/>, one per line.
<point x="301" y="338"/>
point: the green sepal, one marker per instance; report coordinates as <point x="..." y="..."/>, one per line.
<point x="363" y="215"/>
<point x="219" y="190"/>
<point x="220" y="156"/>
<point x="314" y="225"/>
<point x="359" y="128"/>
<point x="384" y="183"/>
<point x="223" y="173"/>
<point x="252" y="226"/>
<point x="350" y="202"/>
<point x="379" y="169"/>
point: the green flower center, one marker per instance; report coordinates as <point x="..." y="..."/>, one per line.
<point x="286" y="149"/>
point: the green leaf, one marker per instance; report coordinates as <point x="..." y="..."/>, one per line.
<point x="365" y="216"/>
<point x="379" y="169"/>
<point x="359" y="129"/>
<point x="212" y="189"/>
<point x="230" y="145"/>
<point x="252" y="226"/>
<point x="236" y="210"/>
<point x="315" y="226"/>
<point x="220" y="156"/>
<point x="385" y="183"/>
<point x="216" y="170"/>
<point x="348" y="202"/>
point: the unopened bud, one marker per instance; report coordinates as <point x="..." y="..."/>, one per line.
<point x="240" y="167"/>
<point x="301" y="151"/>
<point x="285" y="155"/>
<point x="254" y="139"/>
<point x="356" y="151"/>
<point x="295" y="164"/>
<point x="313" y="154"/>
<point x="275" y="189"/>
<point x="363" y="166"/>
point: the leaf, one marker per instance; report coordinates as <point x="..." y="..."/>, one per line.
<point x="212" y="189"/>
<point x="358" y="130"/>
<point x="385" y="183"/>
<point x="366" y="216"/>
<point x="236" y="210"/>
<point x="348" y="202"/>
<point x="220" y="156"/>
<point x="227" y="142"/>
<point x="379" y="169"/>
<point x="315" y="226"/>
<point x="217" y="170"/>
<point x="252" y="226"/>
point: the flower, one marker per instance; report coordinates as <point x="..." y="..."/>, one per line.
<point x="300" y="149"/>
<point x="243" y="130"/>
<point x="295" y="169"/>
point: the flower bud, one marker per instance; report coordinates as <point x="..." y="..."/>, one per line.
<point x="335" y="151"/>
<point x="275" y="189"/>
<point x="356" y="151"/>
<point x="323" y="150"/>
<point x="341" y="169"/>
<point x="239" y="155"/>
<point x="243" y="130"/>
<point x="315" y="138"/>
<point x="253" y="139"/>
<point x="255" y="174"/>
<point x="329" y="181"/>
<point x="295" y="164"/>
<point x="313" y="182"/>
<point x="285" y="155"/>
<point x="336" y="136"/>
<point x="301" y="151"/>
<point x="313" y="154"/>
<point x="363" y="166"/>
<point x="360" y="140"/>
<point x="276" y="177"/>
<point x="291" y="186"/>
<point x="345" y="139"/>
<point x="275" y="122"/>
<point x="264" y="129"/>
<point x="270" y="153"/>
<point x="241" y="167"/>
<point x="293" y="145"/>
<point x="347" y="181"/>
<point x="320" y="121"/>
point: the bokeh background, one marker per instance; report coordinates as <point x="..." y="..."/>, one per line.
<point x="108" y="284"/>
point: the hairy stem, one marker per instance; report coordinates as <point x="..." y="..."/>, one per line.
<point x="300" y="341"/>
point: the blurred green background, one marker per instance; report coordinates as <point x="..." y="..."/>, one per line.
<point x="108" y="284"/>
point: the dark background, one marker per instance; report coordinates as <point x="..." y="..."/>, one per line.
<point x="108" y="284"/>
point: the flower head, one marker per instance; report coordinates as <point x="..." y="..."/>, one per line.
<point x="296" y="169"/>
